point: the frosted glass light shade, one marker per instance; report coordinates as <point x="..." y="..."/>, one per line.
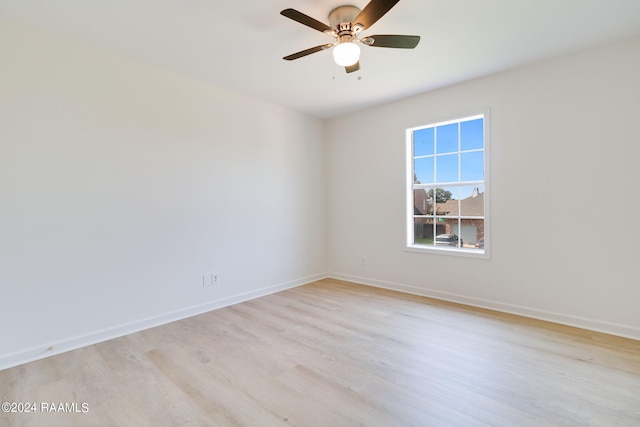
<point x="346" y="54"/>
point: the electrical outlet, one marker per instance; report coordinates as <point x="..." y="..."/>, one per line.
<point x="210" y="279"/>
<point x="363" y="260"/>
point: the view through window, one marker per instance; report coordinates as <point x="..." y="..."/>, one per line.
<point x="447" y="190"/>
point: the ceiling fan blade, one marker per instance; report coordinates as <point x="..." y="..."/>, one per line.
<point x="352" y="68"/>
<point x="307" y="52"/>
<point x="392" y="40"/>
<point x="373" y="11"/>
<point x="306" y="20"/>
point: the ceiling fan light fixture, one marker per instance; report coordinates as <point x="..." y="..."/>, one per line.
<point x="346" y="54"/>
<point x="347" y="23"/>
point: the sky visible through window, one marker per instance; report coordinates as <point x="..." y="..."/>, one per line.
<point x="450" y="153"/>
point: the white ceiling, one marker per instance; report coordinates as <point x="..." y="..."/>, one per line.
<point x="239" y="44"/>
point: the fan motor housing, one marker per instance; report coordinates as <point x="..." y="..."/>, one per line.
<point x="343" y="15"/>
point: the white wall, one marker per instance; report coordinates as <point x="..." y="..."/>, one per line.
<point x="564" y="152"/>
<point x="121" y="185"/>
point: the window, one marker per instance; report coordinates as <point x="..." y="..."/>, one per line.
<point x="446" y="191"/>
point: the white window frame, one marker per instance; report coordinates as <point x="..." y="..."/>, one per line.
<point x="410" y="186"/>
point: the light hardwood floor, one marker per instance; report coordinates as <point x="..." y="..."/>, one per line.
<point x="333" y="353"/>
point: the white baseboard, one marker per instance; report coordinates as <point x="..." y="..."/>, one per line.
<point x="72" y="343"/>
<point x="620" y="330"/>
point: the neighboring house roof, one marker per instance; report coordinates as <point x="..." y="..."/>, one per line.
<point x="471" y="206"/>
<point x="447" y="207"/>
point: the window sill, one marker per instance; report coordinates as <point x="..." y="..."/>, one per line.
<point x="460" y="252"/>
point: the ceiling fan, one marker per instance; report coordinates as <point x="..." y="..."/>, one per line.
<point x="347" y="22"/>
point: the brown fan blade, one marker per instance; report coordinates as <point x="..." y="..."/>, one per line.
<point x="392" y="40"/>
<point x="352" y="68"/>
<point x="373" y="11"/>
<point x="307" y="52"/>
<point x="306" y="20"/>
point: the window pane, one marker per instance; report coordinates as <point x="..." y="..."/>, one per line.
<point x="450" y="237"/>
<point x="423" y="170"/>
<point x="472" y="201"/>
<point x="458" y="233"/>
<point x="470" y="232"/>
<point x="447" y="168"/>
<point x="423" y="142"/>
<point x="446" y="200"/>
<point x="423" y="229"/>
<point x="472" y="135"/>
<point x="422" y="203"/>
<point x="447" y="138"/>
<point x="472" y="166"/>
<point x="479" y="227"/>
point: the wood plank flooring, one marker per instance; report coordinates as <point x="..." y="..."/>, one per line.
<point x="333" y="353"/>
